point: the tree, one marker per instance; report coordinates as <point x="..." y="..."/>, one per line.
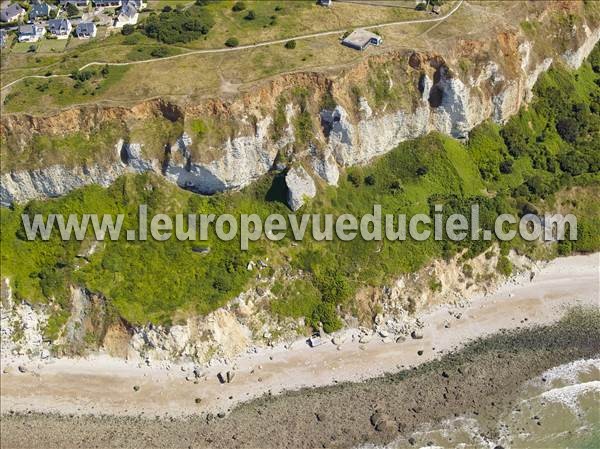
<point x="568" y="129"/>
<point x="127" y="30"/>
<point x="72" y="10"/>
<point x="514" y="138"/>
<point x="290" y="45"/>
<point x="177" y="26"/>
<point x="232" y="42"/>
<point x="573" y="163"/>
<point x="167" y="8"/>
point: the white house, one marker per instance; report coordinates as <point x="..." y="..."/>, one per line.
<point x="61" y="28"/>
<point x="139" y="4"/>
<point x="127" y="16"/>
<point x="12" y="13"/>
<point x="31" y="33"/>
<point x="85" y="30"/>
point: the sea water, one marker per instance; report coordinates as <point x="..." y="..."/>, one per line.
<point x="558" y="409"/>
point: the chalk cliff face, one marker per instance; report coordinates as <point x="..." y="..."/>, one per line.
<point x="439" y="97"/>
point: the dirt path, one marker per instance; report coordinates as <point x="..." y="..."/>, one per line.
<point x="244" y="47"/>
<point x="104" y="385"/>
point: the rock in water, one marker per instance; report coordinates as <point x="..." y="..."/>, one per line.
<point x="300" y="187"/>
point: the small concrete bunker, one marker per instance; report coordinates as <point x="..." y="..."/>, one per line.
<point x="360" y="39"/>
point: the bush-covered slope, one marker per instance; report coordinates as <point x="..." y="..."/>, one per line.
<point x="547" y="148"/>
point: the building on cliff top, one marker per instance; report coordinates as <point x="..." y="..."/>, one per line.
<point x="360" y="39"/>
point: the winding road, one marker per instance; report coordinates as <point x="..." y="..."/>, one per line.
<point x="241" y="47"/>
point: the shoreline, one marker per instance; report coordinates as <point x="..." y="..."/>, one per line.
<point x="100" y="385"/>
<point x="483" y="384"/>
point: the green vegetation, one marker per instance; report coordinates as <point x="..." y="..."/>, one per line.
<point x="64" y="91"/>
<point x="290" y="45"/>
<point x="232" y="42"/>
<point x="540" y="161"/>
<point x="178" y="25"/>
<point x="127" y="29"/>
<point x="72" y="10"/>
<point x="238" y="6"/>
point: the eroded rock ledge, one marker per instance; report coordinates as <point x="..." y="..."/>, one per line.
<point x="263" y="125"/>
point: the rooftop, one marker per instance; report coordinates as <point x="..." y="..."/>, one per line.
<point x="361" y="38"/>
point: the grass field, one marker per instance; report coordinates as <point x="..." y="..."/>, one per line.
<point x="52" y="45"/>
<point x="274" y="20"/>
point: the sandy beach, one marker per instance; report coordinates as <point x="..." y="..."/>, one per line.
<point x="104" y="385"/>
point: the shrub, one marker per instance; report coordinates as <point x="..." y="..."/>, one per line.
<point x="354" y="179"/>
<point x="420" y="7"/>
<point x="159" y="52"/>
<point x="167" y="8"/>
<point x="504" y="266"/>
<point x="127" y="30"/>
<point x="290" y="45"/>
<point x="232" y="42"/>
<point x="251" y="15"/>
<point x="506" y="167"/>
<point x="82" y="75"/>
<point x="333" y="285"/>
<point x="370" y="180"/>
<point x="325" y="314"/>
<point x="573" y="163"/>
<point x="468" y="270"/>
<point x="435" y="285"/>
<point x="396" y="186"/>
<point x="238" y="6"/>
<point x="179" y="26"/>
